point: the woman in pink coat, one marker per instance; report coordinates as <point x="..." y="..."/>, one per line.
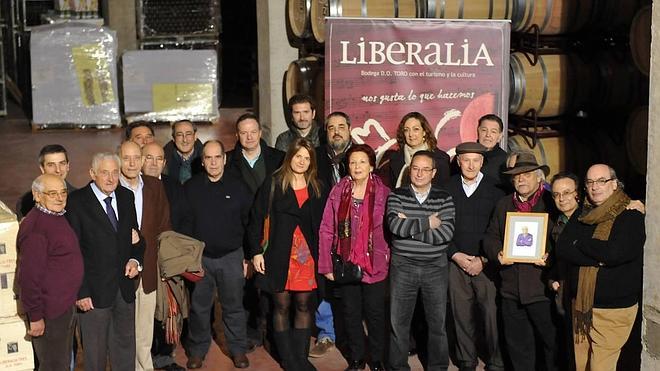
<point x="352" y="226"/>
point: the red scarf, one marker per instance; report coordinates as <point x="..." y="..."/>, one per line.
<point x="360" y="252"/>
<point x="526" y="206"/>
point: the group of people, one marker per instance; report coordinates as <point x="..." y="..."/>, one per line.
<point x="326" y="238"/>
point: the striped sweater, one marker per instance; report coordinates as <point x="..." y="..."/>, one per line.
<point x="412" y="236"/>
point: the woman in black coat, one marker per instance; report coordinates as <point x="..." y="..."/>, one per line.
<point x="287" y="258"/>
<point x="413" y="134"/>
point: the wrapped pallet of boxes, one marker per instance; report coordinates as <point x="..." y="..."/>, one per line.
<point x="170" y="85"/>
<point x="15" y="350"/>
<point x="74" y="76"/>
<point x="8" y="232"/>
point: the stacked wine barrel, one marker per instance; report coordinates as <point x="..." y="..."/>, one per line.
<point x="596" y="79"/>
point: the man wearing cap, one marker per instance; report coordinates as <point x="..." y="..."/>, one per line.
<point x="471" y="277"/>
<point x="525" y="307"/>
<point x="604" y="248"/>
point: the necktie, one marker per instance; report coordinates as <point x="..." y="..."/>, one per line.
<point x="111" y="212"/>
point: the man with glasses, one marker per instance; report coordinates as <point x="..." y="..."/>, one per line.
<point x="421" y="219"/>
<point x="183" y="152"/>
<point x="604" y="248"/>
<point x="525" y="306"/>
<point x="50" y="273"/>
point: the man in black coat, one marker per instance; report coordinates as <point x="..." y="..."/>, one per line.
<point x="525" y="305"/>
<point x="183" y="152"/>
<point x="471" y="278"/>
<point x="103" y="217"/>
<point x="489" y="132"/>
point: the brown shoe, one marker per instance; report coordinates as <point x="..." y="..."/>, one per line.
<point x="321" y="348"/>
<point x="194" y="362"/>
<point x="240" y="360"/>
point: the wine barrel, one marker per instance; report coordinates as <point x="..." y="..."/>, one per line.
<point x="552" y="17"/>
<point x="613" y="15"/>
<point x="376" y="8"/>
<point x="298" y="23"/>
<point x="640" y="39"/>
<point x="618" y="85"/>
<point x="637" y="138"/>
<point x="318" y="11"/>
<point x="470" y="9"/>
<point x="550" y="87"/>
<point x="548" y="151"/>
<point x="306" y="76"/>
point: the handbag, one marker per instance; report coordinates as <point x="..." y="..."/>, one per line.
<point x="345" y="271"/>
<point x="265" y="239"/>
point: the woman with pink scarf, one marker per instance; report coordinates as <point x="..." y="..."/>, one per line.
<point x="352" y="227"/>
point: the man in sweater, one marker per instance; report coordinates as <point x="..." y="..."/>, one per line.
<point x="471" y="278"/>
<point x="303" y="124"/>
<point x="525" y="306"/>
<point x="219" y="205"/>
<point x="153" y="217"/>
<point x="421" y="219"/>
<point x="183" y="152"/>
<point x="50" y="273"/>
<point x="604" y="248"/>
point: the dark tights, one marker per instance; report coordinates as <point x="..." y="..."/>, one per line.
<point x="303" y="310"/>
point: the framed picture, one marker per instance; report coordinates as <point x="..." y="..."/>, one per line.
<point x="525" y="237"/>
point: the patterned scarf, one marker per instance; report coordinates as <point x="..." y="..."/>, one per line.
<point x="408" y="152"/>
<point x="356" y="250"/>
<point x="527" y="206"/>
<point x="603" y="217"/>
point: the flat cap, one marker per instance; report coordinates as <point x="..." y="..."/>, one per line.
<point x="470" y="147"/>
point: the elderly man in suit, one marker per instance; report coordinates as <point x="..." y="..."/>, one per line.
<point x="153" y="215"/>
<point x="103" y="217"/>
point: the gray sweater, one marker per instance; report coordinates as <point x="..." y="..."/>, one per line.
<point x="412" y="236"/>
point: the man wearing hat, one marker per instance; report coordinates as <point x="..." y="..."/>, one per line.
<point x="525" y="307"/>
<point x="471" y="277"/>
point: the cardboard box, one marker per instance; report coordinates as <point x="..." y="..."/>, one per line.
<point x="8" y="232"/>
<point x="170" y="85"/>
<point x="8" y="302"/>
<point x="15" y="350"/>
<point x="74" y="75"/>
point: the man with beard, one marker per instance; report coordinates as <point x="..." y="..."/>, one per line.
<point x="303" y="125"/>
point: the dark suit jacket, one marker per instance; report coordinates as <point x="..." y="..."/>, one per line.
<point x="272" y="157"/>
<point x="324" y="166"/>
<point x="105" y="251"/>
<point x="173" y="159"/>
<point x="179" y="214"/>
<point x="155" y="220"/>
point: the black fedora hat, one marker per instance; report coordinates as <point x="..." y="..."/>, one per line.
<point x="526" y="162"/>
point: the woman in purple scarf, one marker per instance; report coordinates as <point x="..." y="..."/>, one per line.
<point x="352" y="226"/>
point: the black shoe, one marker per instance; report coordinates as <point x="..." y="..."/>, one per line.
<point x="174" y="367"/>
<point x="376" y="366"/>
<point x="355" y="366"/>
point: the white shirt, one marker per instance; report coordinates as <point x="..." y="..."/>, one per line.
<point x="137" y="192"/>
<point x="469" y="189"/>
<point x="102" y="196"/>
<point x="420" y="196"/>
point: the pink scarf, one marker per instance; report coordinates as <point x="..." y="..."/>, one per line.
<point x="357" y="250"/>
<point x="526" y="206"/>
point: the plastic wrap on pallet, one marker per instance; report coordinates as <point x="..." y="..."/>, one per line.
<point x="170" y="85"/>
<point x="157" y="18"/>
<point x="74" y="75"/>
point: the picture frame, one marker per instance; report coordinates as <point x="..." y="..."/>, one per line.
<point x="525" y="236"/>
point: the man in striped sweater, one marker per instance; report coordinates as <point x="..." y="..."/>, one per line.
<point x="421" y="219"/>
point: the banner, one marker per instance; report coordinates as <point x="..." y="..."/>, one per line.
<point x="451" y="71"/>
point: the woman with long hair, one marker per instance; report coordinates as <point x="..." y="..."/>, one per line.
<point x="286" y="256"/>
<point x="413" y="134"/>
<point x="352" y="227"/>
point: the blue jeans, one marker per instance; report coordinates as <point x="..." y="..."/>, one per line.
<point x="324" y="322"/>
<point x="407" y="278"/>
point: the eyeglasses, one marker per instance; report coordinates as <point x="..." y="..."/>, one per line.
<point x="600" y="182"/>
<point x="559" y="196"/>
<point x="424" y="170"/>
<point x="53" y="194"/>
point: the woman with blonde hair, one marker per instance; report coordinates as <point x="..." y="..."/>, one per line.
<point x="283" y="244"/>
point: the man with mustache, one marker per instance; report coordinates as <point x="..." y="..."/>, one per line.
<point x="303" y="125"/>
